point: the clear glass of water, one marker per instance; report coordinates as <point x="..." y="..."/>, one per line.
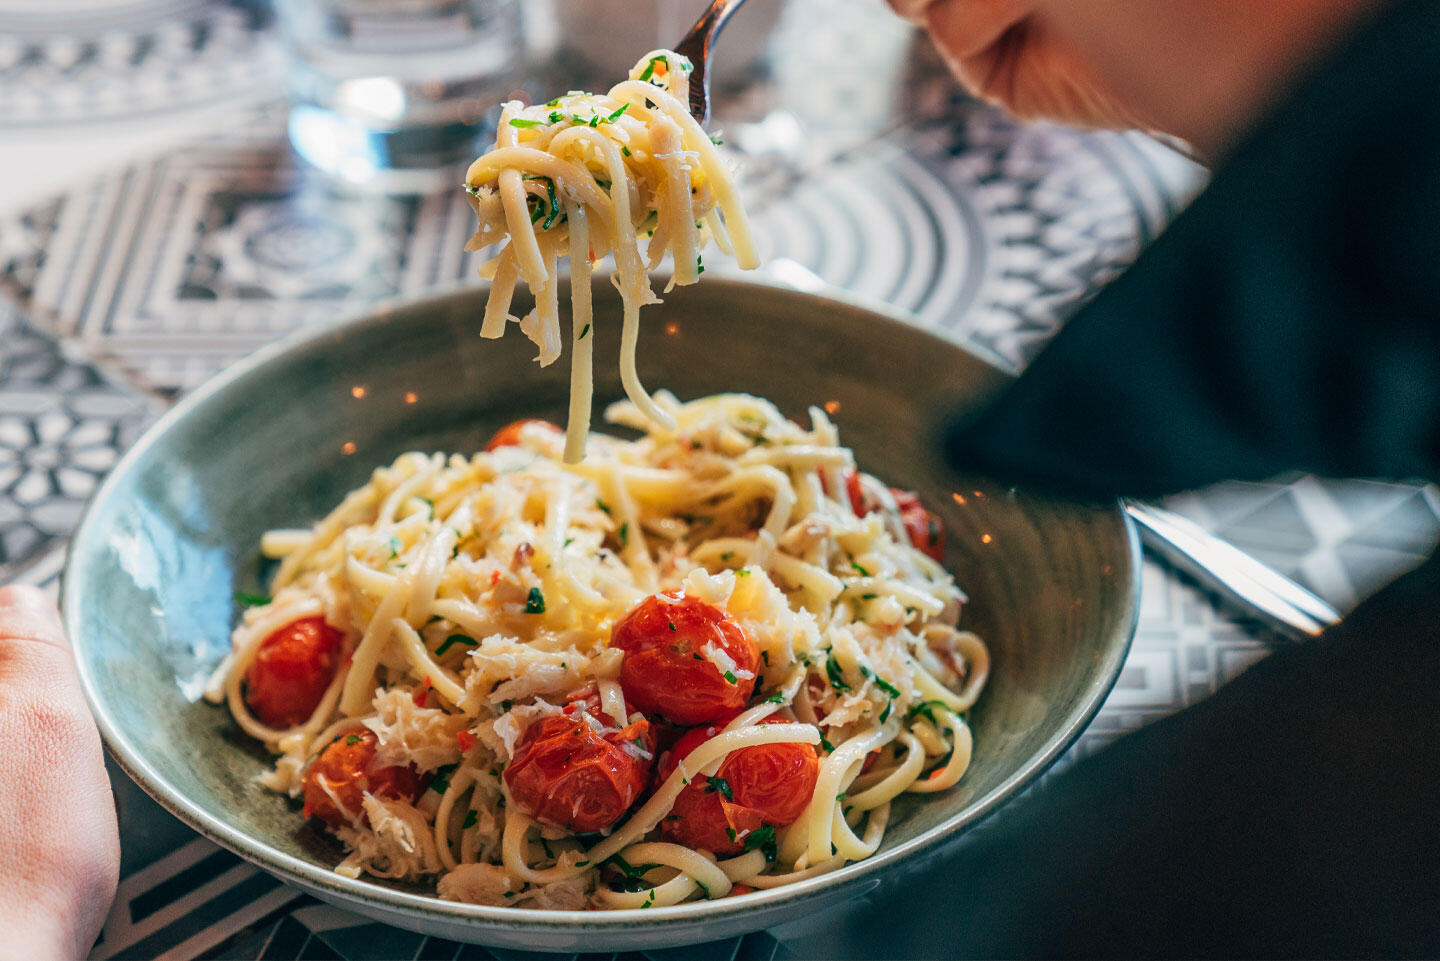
<point x="395" y="94"/>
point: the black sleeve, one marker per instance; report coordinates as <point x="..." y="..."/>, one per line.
<point x="1290" y="319"/>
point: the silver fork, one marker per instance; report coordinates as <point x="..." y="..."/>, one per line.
<point x="696" y="47"/>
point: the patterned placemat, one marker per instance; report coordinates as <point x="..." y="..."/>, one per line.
<point x="119" y="59"/>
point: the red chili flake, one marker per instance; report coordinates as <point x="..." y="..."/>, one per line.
<point x="466" y="740"/>
<point x="422" y="695"/>
<point x="495" y="577"/>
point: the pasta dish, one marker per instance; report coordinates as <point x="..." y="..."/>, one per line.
<point x="693" y="664"/>
<point x="586" y="176"/>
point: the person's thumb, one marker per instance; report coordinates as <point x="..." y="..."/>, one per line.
<point x="33" y="650"/>
<point x="59" y="851"/>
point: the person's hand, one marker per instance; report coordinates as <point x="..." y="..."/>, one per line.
<point x="1004" y="52"/>
<point x="59" y="846"/>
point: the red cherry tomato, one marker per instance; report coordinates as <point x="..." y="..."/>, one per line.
<point x="509" y="435"/>
<point x="291" y="670"/>
<point x="856" y="494"/>
<point x="768" y="784"/>
<point x="344" y="772"/>
<point x="567" y="775"/>
<point x="666" y="669"/>
<point x="926" y="530"/>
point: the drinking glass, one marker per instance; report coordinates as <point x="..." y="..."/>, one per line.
<point x="394" y="94"/>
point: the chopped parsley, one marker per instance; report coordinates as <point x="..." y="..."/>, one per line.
<point x="535" y="602"/>
<point x="672" y="626"/>
<point x="633" y="875"/>
<point x="624" y="534"/>
<point x="730" y="833"/>
<point x="616" y="115"/>
<point x="353" y="739"/>
<point x="505" y="706"/>
<point x="602" y="505"/>
<point x="584" y="332"/>
<point x="730" y="677"/>
<point x="886" y="686"/>
<point x="743" y="572"/>
<point x="251" y="600"/>
<point x="726" y="556"/>
<point x="522" y="122"/>
<point x="625" y="151"/>
<point x="835" y="674"/>
<point x="885" y="714"/>
<point x="718" y="785"/>
<point x="762" y="839"/>
<point x="454" y="639"/>
<point x="442" y="778"/>
<point x="649" y="70"/>
<point x="395" y="546"/>
<point x="777" y="698"/>
<point x="829" y="748"/>
<point x="471" y="819"/>
<point x="925" y="709"/>
<point x="863" y="571"/>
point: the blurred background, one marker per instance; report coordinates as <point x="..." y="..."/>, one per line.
<point x="184" y="181"/>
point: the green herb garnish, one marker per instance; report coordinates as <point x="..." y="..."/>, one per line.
<point x="251" y="600"/>
<point x="719" y="785"/>
<point x="353" y="739"/>
<point x="886" y="686"/>
<point x="730" y="677"/>
<point x="471" y="819"/>
<point x="535" y="602"/>
<point x="836" y="675"/>
<point x="442" y="778"/>
<point x="465" y="639"/>
<point x="522" y="122"/>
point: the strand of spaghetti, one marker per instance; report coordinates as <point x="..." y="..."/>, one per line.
<point x="874" y="830"/>
<point x="426" y="571"/>
<point x="420" y="661"/>
<point x="977" y="662"/>
<point x="502" y="292"/>
<point x="517" y="211"/>
<point x="719" y="233"/>
<point x="542" y="325"/>
<point x="836" y="772"/>
<point x="711" y="162"/>
<point x="714" y="750"/>
<point x="424" y="471"/>
<point x="513" y="855"/>
<point x="843" y="840"/>
<point x="460" y="782"/>
<point x="895" y="783"/>
<point x="696" y="871"/>
<point x="582" y="352"/>
<point x="529" y="160"/>
<point x="334" y="524"/>
<point x="677" y="207"/>
<point x="743" y="866"/>
<point x="961" y="746"/>
<point x="623" y="243"/>
<point x="359" y="690"/>
<point x="629" y="375"/>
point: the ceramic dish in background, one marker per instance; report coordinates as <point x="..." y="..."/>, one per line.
<point x="277" y="440"/>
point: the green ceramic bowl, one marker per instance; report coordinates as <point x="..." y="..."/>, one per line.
<point x="275" y="442"/>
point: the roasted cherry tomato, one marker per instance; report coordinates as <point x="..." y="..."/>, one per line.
<point x="344" y="772"/>
<point x="856" y="494"/>
<point x="509" y="435"/>
<point x="291" y="670"/>
<point x="927" y="531"/>
<point x="567" y="775"/>
<point x="672" y="644"/>
<point x="766" y="784"/>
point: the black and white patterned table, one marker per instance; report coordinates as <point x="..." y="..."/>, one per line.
<point x="137" y="284"/>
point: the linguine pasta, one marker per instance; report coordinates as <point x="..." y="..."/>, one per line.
<point x="476" y="596"/>
<point x="628" y="173"/>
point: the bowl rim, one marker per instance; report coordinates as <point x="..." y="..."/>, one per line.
<point x="480" y="917"/>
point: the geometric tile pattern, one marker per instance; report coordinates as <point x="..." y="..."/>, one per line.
<point x="62" y="426"/>
<point x="123" y="59"/>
